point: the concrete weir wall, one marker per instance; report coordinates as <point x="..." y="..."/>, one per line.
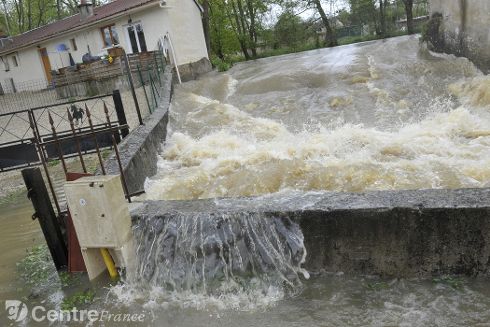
<point x="139" y="150"/>
<point x="402" y="233"/>
<point x="465" y="29"/>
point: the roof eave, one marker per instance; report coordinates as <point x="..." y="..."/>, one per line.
<point x="80" y="28"/>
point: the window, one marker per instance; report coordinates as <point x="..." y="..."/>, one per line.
<point x="136" y="38"/>
<point x="14" y="61"/>
<point x="109" y="35"/>
<point x="73" y="43"/>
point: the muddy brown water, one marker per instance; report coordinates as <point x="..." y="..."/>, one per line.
<point x="248" y="129"/>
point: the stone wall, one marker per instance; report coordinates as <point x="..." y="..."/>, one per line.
<point x="464" y="29"/>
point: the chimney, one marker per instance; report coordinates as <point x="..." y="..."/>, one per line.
<point x="86" y="9"/>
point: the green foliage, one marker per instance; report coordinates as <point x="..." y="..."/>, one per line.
<point x="21" y="16"/>
<point x="220" y="64"/>
<point x="37" y="266"/>
<point x="106" y="153"/>
<point x="53" y="163"/>
<point x="68" y="279"/>
<point x="290" y="30"/>
<point x="78" y="300"/>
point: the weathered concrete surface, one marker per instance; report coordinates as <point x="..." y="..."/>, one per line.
<point x="402" y="233"/>
<point x="189" y="72"/>
<point x="465" y="29"/>
<point x="139" y="150"/>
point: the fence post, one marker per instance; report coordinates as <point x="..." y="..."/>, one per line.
<point x="133" y="91"/>
<point x="153" y="88"/>
<point x="157" y="68"/>
<point x="121" y="115"/>
<point x="39" y="197"/>
<point x="144" y="87"/>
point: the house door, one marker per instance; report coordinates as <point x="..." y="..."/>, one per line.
<point x="136" y="38"/>
<point x="46" y="64"/>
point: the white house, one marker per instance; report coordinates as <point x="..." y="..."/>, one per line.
<point x="135" y="25"/>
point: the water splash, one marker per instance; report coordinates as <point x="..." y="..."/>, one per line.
<point x="235" y="261"/>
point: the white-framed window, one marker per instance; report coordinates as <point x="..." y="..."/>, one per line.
<point x="15" y="61"/>
<point x="135" y="37"/>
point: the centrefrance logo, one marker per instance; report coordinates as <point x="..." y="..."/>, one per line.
<point x="18" y="311"/>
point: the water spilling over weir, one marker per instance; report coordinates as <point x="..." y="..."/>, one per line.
<point x="219" y="255"/>
<point x="381" y="120"/>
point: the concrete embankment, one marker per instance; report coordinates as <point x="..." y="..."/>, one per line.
<point x="403" y="233"/>
<point x="139" y="150"/>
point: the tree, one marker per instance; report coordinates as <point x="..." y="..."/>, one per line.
<point x="330" y="38"/>
<point x="409" y="12"/>
<point x="23" y="15"/>
<point x="289" y="30"/>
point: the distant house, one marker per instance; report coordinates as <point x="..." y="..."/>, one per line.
<point x="134" y="25"/>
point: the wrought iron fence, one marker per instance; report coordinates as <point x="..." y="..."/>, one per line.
<point x="20" y="131"/>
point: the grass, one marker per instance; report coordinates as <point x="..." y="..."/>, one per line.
<point x="78" y="300"/>
<point x="53" y="163"/>
<point x="36" y="267"/>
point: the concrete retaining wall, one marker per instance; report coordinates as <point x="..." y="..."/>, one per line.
<point x="465" y="29"/>
<point x="402" y="233"/>
<point x="140" y="149"/>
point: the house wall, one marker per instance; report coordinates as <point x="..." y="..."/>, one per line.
<point x="465" y="30"/>
<point x="187" y="31"/>
<point x="180" y="18"/>
<point x="30" y="69"/>
<point x="155" y="24"/>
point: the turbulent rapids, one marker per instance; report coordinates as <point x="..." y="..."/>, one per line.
<point x="383" y="115"/>
<point x="378" y="116"/>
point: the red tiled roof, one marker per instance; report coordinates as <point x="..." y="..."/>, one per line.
<point x="71" y="23"/>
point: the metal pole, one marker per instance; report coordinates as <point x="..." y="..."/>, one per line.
<point x="89" y="116"/>
<point x="144" y="88"/>
<point x="133" y="91"/>
<point x="77" y="140"/>
<point x="123" y="178"/>
<point x="38" y="194"/>
<point x="43" y="161"/>
<point x="157" y="69"/>
<point x="152" y="84"/>
<point x="58" y="143"/>
<point x="121" y="115"/>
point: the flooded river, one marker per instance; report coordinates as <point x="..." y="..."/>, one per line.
<point x="376" y="116"/>
<point x="382" y="115"/>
